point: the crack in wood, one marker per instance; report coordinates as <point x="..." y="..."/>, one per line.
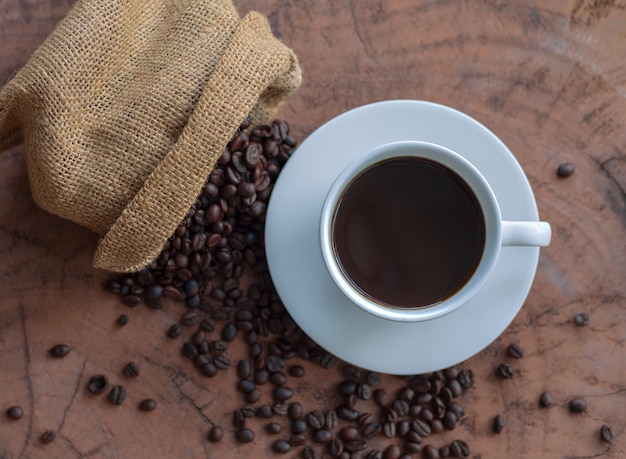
<point x="29" y="384"/>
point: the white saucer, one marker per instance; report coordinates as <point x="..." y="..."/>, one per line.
<point x="310" y="295"/>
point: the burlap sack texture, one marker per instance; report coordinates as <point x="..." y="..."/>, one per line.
<point x="127" y="105"/>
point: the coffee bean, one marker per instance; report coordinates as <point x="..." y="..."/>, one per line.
<point x="456" y="409"/>
<point x="346" y="413"/>
<point x="244" y="435"/>
<point x="282" y="393"/>
<point x="309" y="453"/>
<point x="208" y="369"/>
<point x="444" y="451"/>
<point x="374" y="454"/>
<point x="59" y="351"/>
<point x="207" y="325"/>
<point x="466" y="378"/>
<point x="274" y="363"/>
<point x="327" y="361"/>
<point x="449" y="420"/>
<point x="381" y="397"/>
<point x="148" y="404"/>
<point x="411" y="447"/>
<point x="332" y="419"/>
<point x="363" y="391"/>
<point x="436" y="426"/>
<point x="403" y="428"/>
<point x="265" y="411"/>
<point x="565" y="170"/>
<point x="278" y="378"/>
<point x="47" y="437"/>
<point x="221" y="362"/>
<point x="577" y="405"/>
<point x="273" y="428"/>
<point x="392" y="452"/>
<point x="189" y="350"/>
<point x="280" y="408"/>
<point x="458" y="448"/>
<point x="174" y="331"/>
<point x="122" y="320"/>
<point x="244" y="368"/>
<point x="515" y="351"/>
<point x="97" y="384"/>
<point x="261" y="376"/>
<point x="253" y="396"/>
<point x="117" y="395"/>
<point x="401" y="407"/>
<point x="190" y="318"/>
<point x="419" y="385"/>
<point x="350" y="372"/>
<point x="389" y="429"/>
<point x="373" y="379"/>
<point x="246" y="386"/>
<point x="131" y="369"/>
<point x="15" y="412"/>
<point x="545" y="400"/>
<point x="505" y="371"/>
<point x="281" y="446"/>
<point x="239" y="419"/>
<point x="498" y="423"/>
<point x="294" y="411"/>
<point x="371" y="429"/>
<point x="215" y="434"/>
<point x="296" y="371"/>
<point x="355" y="445"/>
<point x="606" y="434"/>
<point x="322" y="436"/>
<point x="229" y="332"/>
<point x="335" y="448"/>
<point x="316" y="419"/>
<point x="581" y="319"/>
<point x="297" y="427"/>
<point x="347" y="387"/>
<point x="413" y="437"/>
<point x="420" y="427"/>
<point x="430" y="452"/>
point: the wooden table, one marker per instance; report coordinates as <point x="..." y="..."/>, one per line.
<point x="547" y="77"/>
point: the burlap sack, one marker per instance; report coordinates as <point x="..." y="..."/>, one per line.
<point x="127" y="105"/>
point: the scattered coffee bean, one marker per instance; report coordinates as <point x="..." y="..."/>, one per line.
<point x="565" y="170"/>
<point x="215" y="434"/>
<point x="131" y="369"/>
<point x="148" y="404"/>
<point x="309" y="453"/>
<point x="335" y="448"/>
<point x="117" y="395"/>
<point x="97" y="384"/>
<point x="392" y="452"/>
<point x="577" y="405"/>
<point x="498" y="423"/>
<point x="581" y="319"/>
<point x="322" y="436"/>
<point x="59" y="351"/>
<point x="273" y="428"/>
<point x="294" y="411"/>
<point x="244" y="435"/>
<point x="374" y="454"/>
<point x="282" y="393"/>
<point x="389" y="429"/>
<point x="430" y="452"/>
<point x="174" y="331"/>
<point x="355" y="445"/>
<point x="47" y="437"/>
<point x="15" y="412"/>
<point x="458" y="448"/>
<point x="122" y="320"/>
<point x="297" y="371"/>
<point x="606" y="434"/>
<point x="332" y="420"/>
<point x="545" y="400"/>
<point x="298" y="427"/>
<point x="281" y="446"/>
<point x="505" y="371"/>
<point x="515" y="351"/>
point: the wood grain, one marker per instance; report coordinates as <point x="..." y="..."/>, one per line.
<point x="547" y="77"/>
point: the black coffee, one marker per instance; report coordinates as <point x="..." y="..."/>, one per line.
<point x="408" y="232"/>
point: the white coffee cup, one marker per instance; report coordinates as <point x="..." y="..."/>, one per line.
<point x="497" y="233"/>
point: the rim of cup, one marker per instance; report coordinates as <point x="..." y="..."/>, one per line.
<point x="488" y="206"/>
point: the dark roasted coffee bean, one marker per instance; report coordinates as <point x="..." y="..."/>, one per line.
<point x="279" y="378"/>
<point x="456" y="409"/>
<point x="327" y="360"/>
<point x="246" y="386"/>
<point x="445" y="394"/>
<point x="208" y="369"/>
<point x="365" y="418"/>
<point x="346" y="413"/>
<point x="244" y="436"/>
<point x="297" y="427"/>
<point x="606" y="434"/>
<point x="174" y="331"/>
<point x="229" y="332"/>
<point x="280" y="408"/>
<point x="545" y="400"/>
<point x="413" y="437"/>
<point x="392" y="452"/>
<point x="363" y="391"/>
<point x="415" y="410"/>
<point x="261" y="376"/>
<point x="401" y="407"/>
<point x="466" y="378"/>
<point x="371" y="429"/>
<point x="355" y="445"/>
<point x="117" y="395"/>
<point x="198" y="337"/>
<point x="273" y="428"/>
<point x="294" y="411"/>
<point x="215" y="434"/>
<point x="316" y="419"/>
<point x="274" y="363"/>
<point x="281" y="446"/>
<point x="374" y="454"/>
<point x="148" y="404"/>
<point x="265" y="411"/>
<point x="373" y="379"/>
<point x="131" y="369"/>
<point x="515" y="351"/>
<point x="349" y="433"/>
<point x="190" y="318"/>
<point x="322" y="436"/>
<point x="335" y="448"/>
<point x="253" y="396"/>
<point x="411" y="447"/>
<point x="218" y="346"/>
<point x="402" y="428"/>
<point x="426" y="415"/>
<point x="297" y="371"/>
<point x="309" y="453"/>
<point x="420" y="427"/>
<point x="565" y="170"/>
<point x="282" y="393"/>
<point x="189" y="350"/>
<point x="244" y="368"/>
<point x="351" y="372"/>
<point x="97" y="384"/>
<point x="122" y="320"/>
<point x="221" y="362"/>
<point x="458" y="448"/>
<point x="436" y="426"/>
<point x="407" y="394"/>
<point x="430" y="452"/>
<point x="381" y="397"/>
<point x="351" y="401"/>
<point x="449" y="420"/>
<point x="581" y="319"/>
<point x="59" y="351"/>
<point x="347" y="387"/>
<point x="239" y="420"/>
<point x="444" y="451"/>
<point x="438" y="407"/>
<point x="15" y="412"/>
<point x="505" y="371"/>
<point x="498" y="423"/>
<point x="577" y="405"/>
<point x="389" y="429"/>
<point x="47" y="437"/>
<point x="455" y="387"/>
<point x="332" y="419"/>
<point x="207" y="325"/>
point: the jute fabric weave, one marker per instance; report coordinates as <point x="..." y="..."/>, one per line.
<point x="127" y="105"/>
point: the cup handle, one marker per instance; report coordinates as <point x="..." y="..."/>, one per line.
<point x="526" y="233"/>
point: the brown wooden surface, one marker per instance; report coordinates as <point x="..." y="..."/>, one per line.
<point x="547" y="77"/>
